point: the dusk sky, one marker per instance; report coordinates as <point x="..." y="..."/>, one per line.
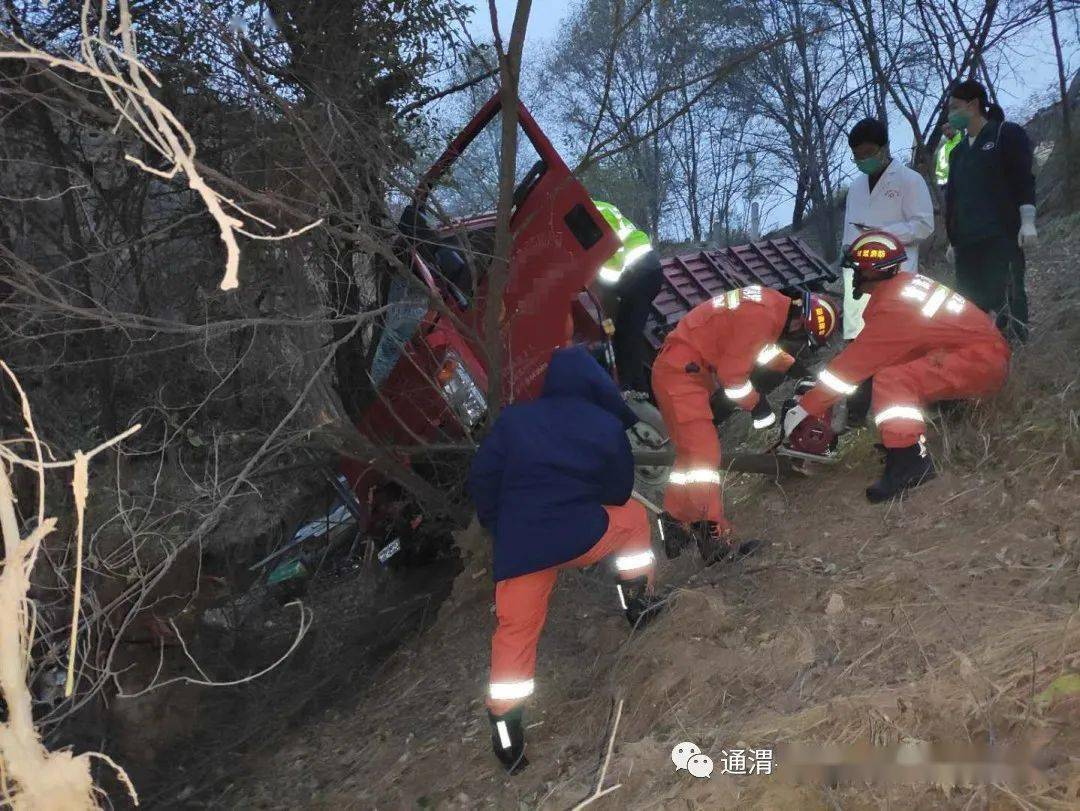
<point x="1034" y="69"/>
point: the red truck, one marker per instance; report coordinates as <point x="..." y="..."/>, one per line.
<point x="435" y="393"/>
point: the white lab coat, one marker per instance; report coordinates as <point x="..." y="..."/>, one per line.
<point x="900" y="204"/>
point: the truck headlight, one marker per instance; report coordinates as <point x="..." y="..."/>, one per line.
<point x="461" y="392"/>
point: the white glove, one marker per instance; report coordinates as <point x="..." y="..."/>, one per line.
<point x="1028" y="237"/>
<point x="950" y="255"/>
<point x="793" y="419"/>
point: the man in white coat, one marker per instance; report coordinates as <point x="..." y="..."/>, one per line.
<point x="886" y="195"/>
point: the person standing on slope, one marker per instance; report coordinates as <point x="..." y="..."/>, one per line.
<point x="990" y="208"/>
<point x="552" y="482"/>
<point x="634" y="275"/>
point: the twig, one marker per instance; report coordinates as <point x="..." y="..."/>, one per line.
<point x="301" y="632"/>
<point x="597" y="794"/>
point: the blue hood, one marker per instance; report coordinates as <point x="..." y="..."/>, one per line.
<point x="544" y="474"/>
<point x="573" y="372"/>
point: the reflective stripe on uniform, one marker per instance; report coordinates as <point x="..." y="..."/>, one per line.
<point x="739" y="392"/>
<point x="899" y="413"/>
<point x="626" y="563"/>
<point x="765" y="422"/>
<point x="609" y="276"/>
<point x="704" y="475"/>
<point x="835" y="383"/>
<point x="933" y="304"/>
<point x="634" y="254"/>
<point x="510" y="690"/>
<point x="504" y="734"/>
<point x="622" y="597"/>
<point x="768" y="354"/>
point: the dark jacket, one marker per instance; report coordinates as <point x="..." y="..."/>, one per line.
<point x="1006" y="156"/>
<point x="542" y="475"/>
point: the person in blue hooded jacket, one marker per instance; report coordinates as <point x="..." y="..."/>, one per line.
<point x="552" y="483"/>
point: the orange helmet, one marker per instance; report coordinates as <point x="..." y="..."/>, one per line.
<point x="874" y="256"/>
<point x="816" y="318"/>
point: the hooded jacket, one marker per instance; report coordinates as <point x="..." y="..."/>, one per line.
<point x="542" y="475"/>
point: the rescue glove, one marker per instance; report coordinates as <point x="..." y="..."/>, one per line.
<point x="508" y="739"/>
<point x="1028" y="236"/>
<point x="763" y="415"/>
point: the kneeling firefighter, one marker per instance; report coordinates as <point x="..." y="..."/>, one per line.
<point x="724" y="339"/>
<point x="552" y="483"/>
<point x="922" y="343"/>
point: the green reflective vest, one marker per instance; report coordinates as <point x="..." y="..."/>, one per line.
<point x="941" y="167"/>
<point x="635" y="243"/>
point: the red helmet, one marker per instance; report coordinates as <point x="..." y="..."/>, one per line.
<point x="874" y="256"/>
<point x="816" y="318"/>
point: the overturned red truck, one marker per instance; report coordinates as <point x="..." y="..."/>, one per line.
<point x="435" y="392"/>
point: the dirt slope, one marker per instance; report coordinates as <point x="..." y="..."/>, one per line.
<point x="959" y="605"/>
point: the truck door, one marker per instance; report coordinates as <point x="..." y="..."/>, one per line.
<point x="558" y="243"/>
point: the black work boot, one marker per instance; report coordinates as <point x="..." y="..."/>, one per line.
<point x="713" y="543"/>
<point x="508" y="739"/>
<point x="640" y="606"/>
<point x="674" y="535"/>
<point x="904" y="468"/>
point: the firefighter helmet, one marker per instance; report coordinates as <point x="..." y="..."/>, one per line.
<point x="874" y="256"/>
<point x="814" y="316"/>
<point x="819" y="317"/>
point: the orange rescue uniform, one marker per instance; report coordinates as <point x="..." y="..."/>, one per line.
<point x="719" y="341"/>
<point x="922" y="343"/>
<point x="521" y="603"/>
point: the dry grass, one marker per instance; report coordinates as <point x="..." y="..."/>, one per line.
<point x="959" y="608"/>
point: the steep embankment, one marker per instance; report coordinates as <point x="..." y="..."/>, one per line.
<point x="949" y="612"/>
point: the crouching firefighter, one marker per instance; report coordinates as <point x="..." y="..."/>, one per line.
<point x="724" y="339"/>
<point x="922" y="343"/>
<point x="552" y="483"/>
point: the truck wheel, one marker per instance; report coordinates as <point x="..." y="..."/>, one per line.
<point x="649" y="434"/>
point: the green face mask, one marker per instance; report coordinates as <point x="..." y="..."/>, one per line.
<point x="959" y="119"/>
<point x="871" y="165"/>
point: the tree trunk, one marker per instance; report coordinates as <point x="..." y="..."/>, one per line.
<point x="799" y="211"/>
<point x="1063" y="89"/>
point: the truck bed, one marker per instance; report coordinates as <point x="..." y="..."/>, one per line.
<point x="691" y="278"/>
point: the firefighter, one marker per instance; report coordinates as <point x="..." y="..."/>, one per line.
<point x="922" y="343"/>
<point x="552" y="483"/>
<point x="633" y="275"/>
<point x="723" y="338"/>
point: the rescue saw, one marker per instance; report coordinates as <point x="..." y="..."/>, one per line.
<point x="815" y="438"/>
